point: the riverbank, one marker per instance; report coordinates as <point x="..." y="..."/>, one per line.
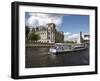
<point x="40" y="45"/>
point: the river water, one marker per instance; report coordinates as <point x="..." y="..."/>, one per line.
<point x="39" y="57"/>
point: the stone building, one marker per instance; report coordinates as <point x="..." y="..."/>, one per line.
<point x="80" y="39"/>
<point x="86" y="38"/>
<point x="83" y="38"/>
<point x="48" y="33"/>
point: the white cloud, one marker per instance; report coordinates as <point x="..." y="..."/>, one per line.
<point x="67" y="33"/>
<point x="71" y="36"/>
<point x="42" y="19"/>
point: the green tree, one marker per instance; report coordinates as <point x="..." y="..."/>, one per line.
<point x="33" y="37"/>
<point x="26" y="31"/>
<point x="37" y="37"/>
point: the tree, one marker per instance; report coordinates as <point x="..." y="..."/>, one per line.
<point x="26" y="31"/>
<point x="37" y="37"/>
<point x="33" y="37"/>
<point x="70" y="41"/>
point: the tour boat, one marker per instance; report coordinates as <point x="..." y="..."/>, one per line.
<point x="62" y="48"/>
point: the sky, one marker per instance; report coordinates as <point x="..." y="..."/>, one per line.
<point x="71" y="25"/>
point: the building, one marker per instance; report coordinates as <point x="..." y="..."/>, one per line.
<point x="86" y="38"/>
<point x="48" y="33"/>
<point x="83" y="38"/>
<point x="80" y="39"/>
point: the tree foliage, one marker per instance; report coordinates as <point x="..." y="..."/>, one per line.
<point x="26" y="31"/>
<point x="72" y="42"/>
<point x="33" y="37"/>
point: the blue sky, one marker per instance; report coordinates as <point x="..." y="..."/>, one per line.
<point x="75" y="23"/>
<point x="71" y="25"/>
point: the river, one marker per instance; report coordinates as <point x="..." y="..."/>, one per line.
<point x="39" y="57"/>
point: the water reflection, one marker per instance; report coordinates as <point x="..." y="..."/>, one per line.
<point x="39" y="57"/>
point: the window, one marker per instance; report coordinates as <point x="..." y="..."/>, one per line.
<point x="48" y="37"/>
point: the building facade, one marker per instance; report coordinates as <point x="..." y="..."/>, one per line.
<point x="48" y="34"/>
<point x="83" y="38"/>
<point x="80" y="39"/>
<point x="86" y="38"/>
